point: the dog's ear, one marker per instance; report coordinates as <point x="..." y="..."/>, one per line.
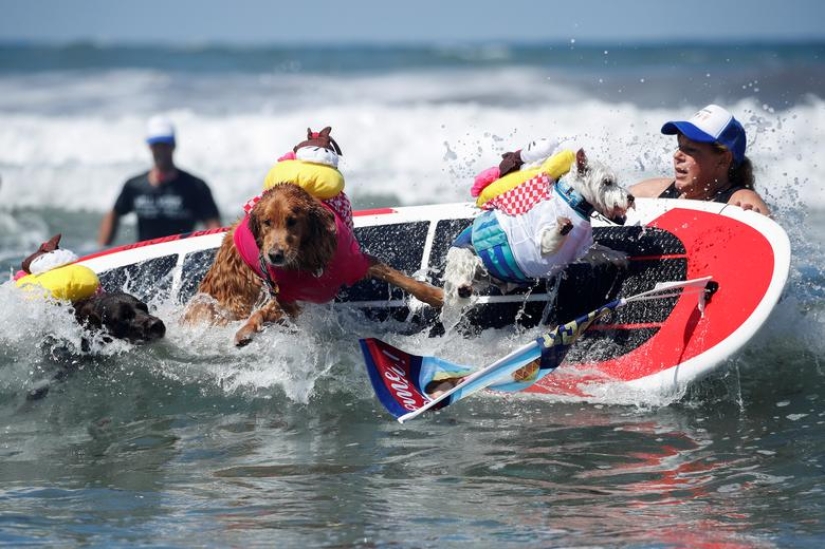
<point x="322" y="239"/>
<point x="332" y="142"/>
<point x="255" y="227"/>
<point x="49" y="246"/>
<point x="257" y="212"/>
<point x="581" y="162"/>
<point x="86" y="313"/>
<point x="510" y="162"/>
<point x="328" y="142"/>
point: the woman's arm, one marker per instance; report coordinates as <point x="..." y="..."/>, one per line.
<point x="749" y="200"/>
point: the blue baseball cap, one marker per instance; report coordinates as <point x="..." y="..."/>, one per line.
<point x="160" y="130"/>
<point x="713" y="124"/>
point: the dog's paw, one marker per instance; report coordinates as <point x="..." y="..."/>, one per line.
<point x="552" y="237"/>
<point x="463" y="268"/>
<point x="564" y="225"/>
<point x="243" y="337"/>
<point x="465" y="291"/>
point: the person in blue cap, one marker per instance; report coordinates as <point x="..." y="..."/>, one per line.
<point x="709" y="164"/>
<point x="166" y="199"/>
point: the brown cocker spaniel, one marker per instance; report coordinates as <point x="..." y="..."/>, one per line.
<point x="290" y="248"/>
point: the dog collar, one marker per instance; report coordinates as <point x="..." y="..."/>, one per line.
<point x="574" y="199"/>
<point x="265" y="276"/>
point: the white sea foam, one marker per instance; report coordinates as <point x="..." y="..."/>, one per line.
<point x="420" y="136"/>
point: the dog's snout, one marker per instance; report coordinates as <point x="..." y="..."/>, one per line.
<point x="631" y="200"/>
<point x="154" y="329"/>
<point x="276" y="256"/>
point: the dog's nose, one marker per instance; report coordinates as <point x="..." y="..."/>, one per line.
<point x="154" y="329"/>
<point x="276" y="257"/>
<point x="631" y="200"/>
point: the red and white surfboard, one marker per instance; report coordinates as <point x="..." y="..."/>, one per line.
<point x="747" y="254"/>
<point x="656" y="346"/>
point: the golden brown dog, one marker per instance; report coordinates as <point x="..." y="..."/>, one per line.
<point x="290" y="248"/>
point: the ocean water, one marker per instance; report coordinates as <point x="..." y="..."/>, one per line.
<point x="191" y="442"/>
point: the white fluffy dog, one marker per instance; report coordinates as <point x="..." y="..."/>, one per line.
<point x="522" y="238"/>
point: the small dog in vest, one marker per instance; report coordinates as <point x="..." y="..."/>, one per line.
<point x="535" y="229"/>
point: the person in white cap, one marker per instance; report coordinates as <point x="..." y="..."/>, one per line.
<point x="709" y="164"/>
<point x="166" y="199"/>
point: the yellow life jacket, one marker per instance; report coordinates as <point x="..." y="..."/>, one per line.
<point x="319" y="180"/>
<point x="70" y="282"/>
<point x="555" y="167"/>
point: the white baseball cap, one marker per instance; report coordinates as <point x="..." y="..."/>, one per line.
<point x="713" y="124"/>
<point x="160" y="130"/>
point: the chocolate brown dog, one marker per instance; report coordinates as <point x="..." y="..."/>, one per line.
<point x="116" y="315"/>
<point x="122" y="315"/>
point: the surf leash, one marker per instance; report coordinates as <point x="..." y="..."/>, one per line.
<point x="403" y="381"/>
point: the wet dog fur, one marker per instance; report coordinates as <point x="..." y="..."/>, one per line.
<point x="294" y="231"/>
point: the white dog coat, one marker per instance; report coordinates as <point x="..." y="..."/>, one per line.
<point x="501" y="239"/>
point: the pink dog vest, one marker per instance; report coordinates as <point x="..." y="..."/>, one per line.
<point x="348" y="266"/>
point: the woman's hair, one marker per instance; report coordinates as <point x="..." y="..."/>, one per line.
<point x="741" y="175"/>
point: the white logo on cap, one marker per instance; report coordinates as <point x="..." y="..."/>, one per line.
<point x="712" y="120"/>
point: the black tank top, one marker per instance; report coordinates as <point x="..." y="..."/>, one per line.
<point x="722" y="196"/>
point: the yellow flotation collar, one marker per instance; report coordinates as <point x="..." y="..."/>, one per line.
<point x="555" y="167"/>
<point x="319" y="180"/>
<point x="70" y="282"/>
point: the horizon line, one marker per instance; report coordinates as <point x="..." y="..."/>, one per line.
<point x="396" y="43"/>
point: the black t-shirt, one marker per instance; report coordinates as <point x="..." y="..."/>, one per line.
<point x="172" y="207"/>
